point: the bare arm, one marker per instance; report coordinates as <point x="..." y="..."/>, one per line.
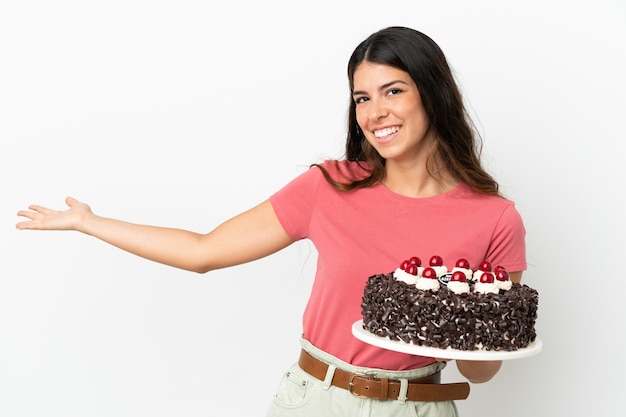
<point x="483" y="371"/>
<point x="248" y="236"/>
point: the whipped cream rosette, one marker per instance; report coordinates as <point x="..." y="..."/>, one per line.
<point x="404" y="276"/>
<point x="428" y="280"/>
<point x="458" y="283"/>
<point x="486" y="284"/>
<point x="436" y="263"/>
<point x="502" y="278"/>
<point x="463" y="266"/>
<point x="484" y="266"/>
<point x="409" y="270"/>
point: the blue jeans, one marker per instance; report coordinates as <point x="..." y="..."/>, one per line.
<point x="301" y="395"/>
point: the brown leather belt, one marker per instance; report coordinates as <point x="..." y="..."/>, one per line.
<point x="362" y="385"/>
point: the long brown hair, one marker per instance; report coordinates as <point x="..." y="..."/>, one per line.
<point x="457" y="144"/>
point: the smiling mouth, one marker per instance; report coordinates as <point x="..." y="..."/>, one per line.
<point x="382" y="133"/>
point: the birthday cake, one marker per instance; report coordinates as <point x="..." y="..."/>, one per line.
<point x="458" y="308"/>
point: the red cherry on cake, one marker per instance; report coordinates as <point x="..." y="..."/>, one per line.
<point x="485" y="266"/>
<point x="458" y="276"/>
<point x="486" y="278"/>
<point x="498" y="268"/>
<point x="502" y="274"/>
<point x="462" y="263"/>
<point x="436" y="261"/>
<point x="429" y="273"/>
<point x="415" y="261"/>
<point x="405" y="265"/>
<point x="409" y="267"/>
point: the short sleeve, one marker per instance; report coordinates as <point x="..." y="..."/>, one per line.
<point x="508" y="245"/>
<point x="294" y="203"/>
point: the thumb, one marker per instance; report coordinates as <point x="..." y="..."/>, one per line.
<point x="71" y="201"/>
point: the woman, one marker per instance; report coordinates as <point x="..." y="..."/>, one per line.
<point x="411" y="184"/>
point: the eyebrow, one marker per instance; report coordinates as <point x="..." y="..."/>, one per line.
<point x="382" y="87"/>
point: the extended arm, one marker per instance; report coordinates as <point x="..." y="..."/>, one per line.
<point x="483" y="371"/>
<point x="248" y="236"/>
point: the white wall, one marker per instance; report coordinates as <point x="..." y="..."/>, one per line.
<point x="183" y="113"/>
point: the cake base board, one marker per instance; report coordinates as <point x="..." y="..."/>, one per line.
<point x="475" y="355"/>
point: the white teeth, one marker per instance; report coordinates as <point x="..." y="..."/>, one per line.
<point x="386" y="132"/>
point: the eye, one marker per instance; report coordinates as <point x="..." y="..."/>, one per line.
<point x="360" y="99"/>
<point x="393" y="91"/>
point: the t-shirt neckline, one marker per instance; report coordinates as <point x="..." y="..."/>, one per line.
<point x="387" y="191"/>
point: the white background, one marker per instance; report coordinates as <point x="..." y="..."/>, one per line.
<point x="184" y="113"/>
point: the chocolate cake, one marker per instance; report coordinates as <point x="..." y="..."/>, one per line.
<point x="459" y="309"/>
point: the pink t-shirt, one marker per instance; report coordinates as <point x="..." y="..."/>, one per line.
<point x="372" y="230"/>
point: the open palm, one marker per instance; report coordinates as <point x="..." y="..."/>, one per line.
<point x="43" y="218"/>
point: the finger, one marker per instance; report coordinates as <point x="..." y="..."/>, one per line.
<point x="40" y="209"/>
<point x="27" y="214"/>
<point x="23" y="225"/>
<point x="31" y="224"/>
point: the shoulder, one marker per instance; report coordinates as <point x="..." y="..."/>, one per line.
<point x="320" y="180"/>
<point x="498" y="208"/>
<point x="466" y="192"/>
<point x="308" y="182"/>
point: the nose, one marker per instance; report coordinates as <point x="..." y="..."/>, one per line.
<point x="378" y="110"/>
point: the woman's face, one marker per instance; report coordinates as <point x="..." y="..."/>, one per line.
<point x="390" y="113"/>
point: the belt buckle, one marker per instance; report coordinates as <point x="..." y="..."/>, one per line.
<point x="351" y="383"/>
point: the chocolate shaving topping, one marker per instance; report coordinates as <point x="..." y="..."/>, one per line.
<point x="442" y="319"/>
